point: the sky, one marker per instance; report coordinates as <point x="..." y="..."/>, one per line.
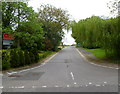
<point x="78" y="9"/>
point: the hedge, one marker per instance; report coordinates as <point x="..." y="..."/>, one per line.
<point x="15" y="58"/>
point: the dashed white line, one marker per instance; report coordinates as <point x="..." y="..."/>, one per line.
<point x="68" y="85"/>
<point x="105" y="82"/>
<point x="56" y="86"/>
<point x="1" y="87"/>
<point x="72" y="75"/>
<point x="103" y="85"/>
<point x="16" y="87"/>
<point x="75" y="83"/>
<point x="22" y="87"/>
<point x="44" y="86"/>
<point x="33" y="86"/>
<point x="90" y="83"/>
<point x="97" y="85"/>
<point x="11" y="87"/>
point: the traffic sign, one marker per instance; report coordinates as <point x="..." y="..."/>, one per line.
<point x="8" y="36"/>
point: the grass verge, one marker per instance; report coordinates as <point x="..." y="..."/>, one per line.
<point x="99" y="53"/>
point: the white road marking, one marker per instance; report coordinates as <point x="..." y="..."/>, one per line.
<point x="44" y="86"/>
<point x="33" y="67"/>
<point x="97" y="85"/>
<point x="105" y="82"/>
<point x="1" y="87"/>
<point x="11" y="87"/>
<point x="11" y="73"/>
<point x="22" y="87"/>
<point x="94" y="63"/>
<point x="33" y="86"/>
<point x="103" y="85"/>
<point x="15" y="87"/>
<point x="50" y="58"/>
<point x="75" y="83"/>
<point x="90" y="83"/>
<point x="68" y="85"/>
<point x="72" y="75"/>
<point x="56" y="86"/>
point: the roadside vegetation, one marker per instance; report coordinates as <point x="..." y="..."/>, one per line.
<point x="36" y="34"/>
<point x="99" y="35"/>
<point x="99" y="53"/>
<point x="16" y="58"/>
<point x="95" y="32"/>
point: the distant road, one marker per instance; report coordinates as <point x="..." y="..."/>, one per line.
<point x="67" y="71"/>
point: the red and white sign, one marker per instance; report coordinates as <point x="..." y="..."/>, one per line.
<point x="8" y="36"/>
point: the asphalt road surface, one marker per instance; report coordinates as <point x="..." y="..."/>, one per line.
<point x="67" y="71"/>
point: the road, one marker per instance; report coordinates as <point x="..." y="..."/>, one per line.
<point x="67" y="71"/>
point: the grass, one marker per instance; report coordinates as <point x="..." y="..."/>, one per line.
<point x="99" y="53"/>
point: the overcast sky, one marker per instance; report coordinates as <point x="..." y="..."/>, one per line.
<point x="78" y="9"/>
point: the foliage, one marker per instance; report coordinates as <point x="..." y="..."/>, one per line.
<point x="14" y="58"/>
<point x="54" y="20"/>
<point x="31" y="32"/>
<point x="27" y="58"/>
<point x="15" y="12"/>
<point x="29" y="35"/>
<point x="5" y="60"/>
<point x="21" y="20"/>
<point x="32" y="57"/>
<point x="85" y="32"/>
<point x="96" y="32"/>
<point x="21" y="58"/>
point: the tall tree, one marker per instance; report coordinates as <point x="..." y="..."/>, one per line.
<point x="15" y="12"/>
<point x="21" y="20"/>
<point x="54" y="20"/>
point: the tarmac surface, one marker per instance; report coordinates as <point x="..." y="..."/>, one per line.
<point x="65" y="71"/>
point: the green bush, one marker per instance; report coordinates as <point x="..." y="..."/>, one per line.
<point x="21" y="58"/>
<point x="27" y="58"/>
<point x="32" y="57"/>
<point x="14" y="58"/>
<point x="35" y="53"/>
<point x="5" y="61"/>
<point x="36" y="57"/>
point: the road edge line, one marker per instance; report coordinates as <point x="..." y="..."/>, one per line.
<point x="10" y="73"/>
<point x="92" y="62"/>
